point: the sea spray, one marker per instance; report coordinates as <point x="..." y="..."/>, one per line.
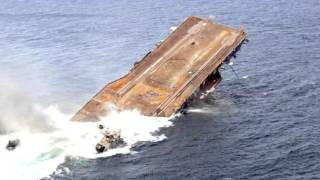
<point x="40" y="152"/>
<point x="18" y="112"/>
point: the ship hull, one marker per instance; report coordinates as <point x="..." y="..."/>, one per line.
<point x="160" y="84"/>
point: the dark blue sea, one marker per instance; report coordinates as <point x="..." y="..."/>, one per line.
<point x="262" y="122"/>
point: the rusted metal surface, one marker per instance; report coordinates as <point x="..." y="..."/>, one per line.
<point x="164" y="79"/>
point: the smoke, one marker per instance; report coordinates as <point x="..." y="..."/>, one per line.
<point x="17" y="112"/>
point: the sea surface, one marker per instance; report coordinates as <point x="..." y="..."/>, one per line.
<point x="262" y="122"/>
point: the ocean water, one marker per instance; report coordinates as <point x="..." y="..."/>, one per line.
<point x="262" y="124"/>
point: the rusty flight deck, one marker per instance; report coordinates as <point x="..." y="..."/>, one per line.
<point x="160" y="84"/>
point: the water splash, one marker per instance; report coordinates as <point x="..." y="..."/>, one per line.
<point x="40" y="152"/>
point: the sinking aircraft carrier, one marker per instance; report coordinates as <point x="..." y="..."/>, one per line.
<point x="184" y="65"/>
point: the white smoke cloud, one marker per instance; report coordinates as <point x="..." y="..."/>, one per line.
<point x="17" y="112"/>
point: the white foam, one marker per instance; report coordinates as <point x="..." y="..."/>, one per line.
<point x="197" y="110"/>
<point x="173" y="28"/>
<point x="40" y="152"/>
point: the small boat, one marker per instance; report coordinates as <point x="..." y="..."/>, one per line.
<point x="110" y="140"/>
<point x="13" y="144"/>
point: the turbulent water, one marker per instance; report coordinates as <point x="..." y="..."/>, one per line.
<point x="261" y="123"/>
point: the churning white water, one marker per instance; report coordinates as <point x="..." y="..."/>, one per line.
<point x="41" y="149"/>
